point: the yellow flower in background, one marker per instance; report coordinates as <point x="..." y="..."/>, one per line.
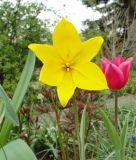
<point x="66" y="63"/>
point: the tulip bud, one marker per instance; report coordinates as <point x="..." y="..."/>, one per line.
<point x="116" y="71"/>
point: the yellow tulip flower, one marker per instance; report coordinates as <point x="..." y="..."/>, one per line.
<point x="66" y="63"/>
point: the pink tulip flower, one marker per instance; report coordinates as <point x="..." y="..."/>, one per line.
<point x="116" y="71"/>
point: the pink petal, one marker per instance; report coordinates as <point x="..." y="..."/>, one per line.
<point x="104" y="64"/>
<point x="125" y="68"/>
<point x="118" y="60"/>
<point x="114" y="76"/>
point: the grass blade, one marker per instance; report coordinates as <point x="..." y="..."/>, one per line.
<point x="9" y="111"/>
<point x="124" y="136"/>
<point x="112" y="133"/>
<point x="82" y="135"/>
<point x="2" y="111"/>
<point x="19" y="94"/>
<point x="24" y="81"/>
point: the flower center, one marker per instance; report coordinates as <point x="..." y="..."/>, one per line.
<point x="67" y="67"/>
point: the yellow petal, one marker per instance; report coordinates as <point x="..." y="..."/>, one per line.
<point x="44" y="51"/>
<point x="89" y="76"/>
<point x="90" y="48"/>
<point x="66" y="89"/>
<point x="51" y="74"/>
<point x="66" y="39"/>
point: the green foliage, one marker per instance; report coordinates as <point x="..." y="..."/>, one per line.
<point x="114" y="25"/>
<point x="93" y="29"/>
<point x="18" y="95"/>
<point x="45" y="142"/>
<point x="82" y="135"/>
<point x="121" y="3"/>
<point x="19" y="26"/>
<point x="130" y="87"/>
<point x="17" y="149"/>
<point x="89" y="3"/>
<point x="113" y="134"/>
<point x="9" y="111"/>
<point x="2" y="111"/>
<point x="119" y="141"/>
<point x="103" y="137"/>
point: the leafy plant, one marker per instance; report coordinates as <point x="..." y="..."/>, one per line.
<point x="19" y="26"/>
<point x="119" y="141"/>
<point x="17" y="149"/>
<point x="18" y="95"/>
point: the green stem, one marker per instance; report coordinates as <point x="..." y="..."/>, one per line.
<point x="74" y="147"/>
<point x="116" y="110"/>
<point x="60" y="134"/>
<point x="77" y="125"/>
<point x="76" y="121"/>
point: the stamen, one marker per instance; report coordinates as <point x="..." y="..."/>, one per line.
<point x="67" y="66"/>
<point x="68" y="69"/>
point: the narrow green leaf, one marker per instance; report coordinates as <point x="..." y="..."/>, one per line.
<point x="19" y="94"/>
<point x="9" y="111"/>
<point x="82" y="135"/>
<point x="17" y="150"/>
<point x="109" y="156"/>
<point x="2" y="110"/>
<point x="24" y="81"/>
<point x="124" y="133"/>
<point x="113" y="135"/>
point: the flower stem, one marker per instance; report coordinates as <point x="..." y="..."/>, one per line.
<point x="60" y="133"/>
<point x="116" y="110"/>
<point x="76" y="121"/>
<point x="75" y="108"/>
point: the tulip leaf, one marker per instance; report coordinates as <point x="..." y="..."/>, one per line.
<point x="123" y="135"/>
<point x="9" y="111"/>
<point x="15" y="150"/>
<point x="82" y="134"/>
<point x="19" y="94"/>
<point x="112" y="133"/>
<point x="2" y="110"/>
<point x="24" y="81"/>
